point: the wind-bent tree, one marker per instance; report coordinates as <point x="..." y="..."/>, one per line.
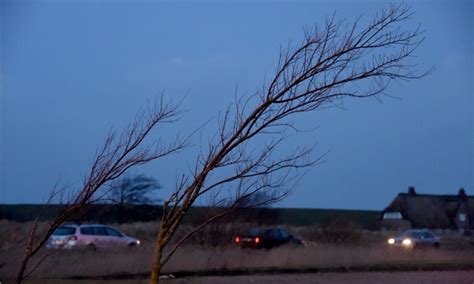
<point x="336" y="61"/>
<point x="120" y="152"/>
<point x="129" y="191"/>
<point x="136" y="190"/>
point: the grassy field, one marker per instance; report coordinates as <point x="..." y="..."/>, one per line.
<point x="136" y="263"/>
<point x="358" y="250"/>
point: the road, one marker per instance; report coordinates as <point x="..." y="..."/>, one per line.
<point x="428" y="277"/>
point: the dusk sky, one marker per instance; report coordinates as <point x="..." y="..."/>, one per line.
<point x="72" y="70"/>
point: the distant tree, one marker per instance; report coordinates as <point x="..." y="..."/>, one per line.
<point x="136" y="190"/>
<point x="255" y="200"/>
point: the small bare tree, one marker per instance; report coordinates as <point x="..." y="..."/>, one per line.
<point x="137" y="190"/>
<point x="334" y="62"/>
<point x="119" y="153"/>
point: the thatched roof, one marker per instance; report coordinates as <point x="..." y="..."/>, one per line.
<point x="432" y="211"/>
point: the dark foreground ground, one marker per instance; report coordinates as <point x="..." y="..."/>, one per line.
<point x="451" y="277"/>
<point x="428" y="277"/>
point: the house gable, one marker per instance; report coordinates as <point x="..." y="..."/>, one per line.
<point x="432" y="211"/>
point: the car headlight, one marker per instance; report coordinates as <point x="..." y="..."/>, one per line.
<point x="391" y="241"/>
<point x="406" y="242"/>
<point x="138" y="242"/>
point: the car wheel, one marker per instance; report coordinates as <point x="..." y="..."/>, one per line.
<point x="132" y="245"/>
<point x="91" y="247"/>
<point x="436" y="245"/>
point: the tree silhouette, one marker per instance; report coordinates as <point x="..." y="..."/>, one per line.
<point x="138" y="190"/>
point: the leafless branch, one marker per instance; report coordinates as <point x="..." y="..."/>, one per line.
<point x="119" y="153"/>
<point x="328" y="66"/>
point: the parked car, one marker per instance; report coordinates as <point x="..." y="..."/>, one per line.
<point x="267" y="238"/>
<point x="415" y="238"/>
<point x="90" y="236"/>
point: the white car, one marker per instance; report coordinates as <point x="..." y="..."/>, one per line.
<point x="415" y="238"/>
<point x="91" y="236"/>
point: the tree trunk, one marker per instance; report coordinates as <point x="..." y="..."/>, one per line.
<point x="156" y="267"/>
<point x="160" y="243"/>
<point x="21" y="272"/>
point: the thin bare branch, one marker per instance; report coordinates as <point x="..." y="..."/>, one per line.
<point x="320" y="72"/>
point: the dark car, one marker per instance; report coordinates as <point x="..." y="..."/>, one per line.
<point x="415" y="238"/>
<point x="267" y="238"/>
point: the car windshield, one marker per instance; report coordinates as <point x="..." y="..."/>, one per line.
<point x="284" y="234"/>
<point x="255" y="232"/>
<point x="113" y="232"/>
<point x="428" y="235"/>
<point x="63" y="231"/>
<point x="412" y="234"/>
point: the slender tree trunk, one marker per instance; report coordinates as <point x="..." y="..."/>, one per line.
<point x="160" y="243"/>
<point x="156" y="267"/>
<point x="21" y="272"/>
<point x="121" y="204"/>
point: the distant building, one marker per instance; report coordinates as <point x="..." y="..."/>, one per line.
<point x="412" y="210"/>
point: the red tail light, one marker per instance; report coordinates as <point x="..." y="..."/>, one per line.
<point x="73" y="238"/>
<point x="237" y="240"/>
<point x="257" y="240"/>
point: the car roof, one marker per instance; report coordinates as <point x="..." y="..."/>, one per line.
<point x="263" y="230"/>
<point x="417" y="230"/>
<point x="68" y="225"/>
<point x="268" y="228"/>
<point x="84" y="225"/>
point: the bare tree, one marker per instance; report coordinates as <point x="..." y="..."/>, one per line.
<point x="119" y="153"/>
<point x="131" y="191"/>
<point x="136" y="190"/>
<point x="336" y="61"/>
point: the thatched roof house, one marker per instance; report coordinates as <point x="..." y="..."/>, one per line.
<point x="430" y="211"/>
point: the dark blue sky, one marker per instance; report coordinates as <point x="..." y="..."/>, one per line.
<point x="71" y="70"/>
